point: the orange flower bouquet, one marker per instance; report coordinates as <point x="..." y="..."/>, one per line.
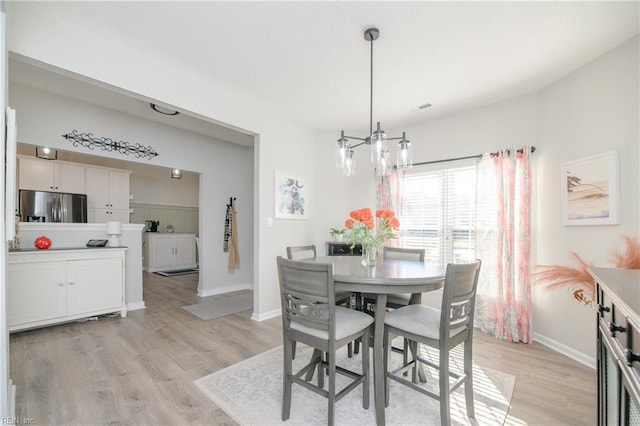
<point x="361" y="228"/>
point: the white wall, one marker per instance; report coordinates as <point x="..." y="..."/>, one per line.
<point x="591" y="111"/>
<point x="225" y="169"/>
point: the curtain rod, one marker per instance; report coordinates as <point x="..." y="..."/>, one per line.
<point x="493" y="154"/>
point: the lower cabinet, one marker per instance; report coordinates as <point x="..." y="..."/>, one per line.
<point x="343" y="249"/>
<point x="618" y="296"/>
<point x="48" y="287"/>
<point x="107" y="215"/>
<point x="168" y="251"/>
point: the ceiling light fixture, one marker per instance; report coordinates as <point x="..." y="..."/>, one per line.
<point x="377" y="139"/>
<point x="163" y="110"/>
<point x="176" y="174"/>
<point x="46" y="153"/>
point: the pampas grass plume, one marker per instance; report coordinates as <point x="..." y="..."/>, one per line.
<point x="553" y="277"/>
<point x="630" y="259"/>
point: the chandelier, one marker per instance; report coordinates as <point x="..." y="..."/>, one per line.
<point x="377" y="140"/>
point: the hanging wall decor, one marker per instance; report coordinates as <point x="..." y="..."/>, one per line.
<point x="291" y="196"/>
<point x="87" y="140"/>
<point x="590" y="190"/>
<point x="227" y="226"/>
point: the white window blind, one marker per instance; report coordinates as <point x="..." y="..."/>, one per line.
<point x="439" y="213"/>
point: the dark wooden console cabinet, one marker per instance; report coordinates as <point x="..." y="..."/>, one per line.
<point x="343" y="249"/>
<point x="618" y="297"/>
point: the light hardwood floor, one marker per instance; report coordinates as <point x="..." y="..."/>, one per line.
<point x="139" y="371"/>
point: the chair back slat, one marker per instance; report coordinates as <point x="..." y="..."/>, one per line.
<point x="301" y="252"/>
<point x="458" y="299"/>
<point x="403" y="254"/>
<point x="307" y="293"/>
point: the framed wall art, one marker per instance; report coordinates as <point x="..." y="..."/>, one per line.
<point x="589" y="188"/>
<point x="291" y="196"/>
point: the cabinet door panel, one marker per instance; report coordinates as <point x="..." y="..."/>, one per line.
<point x="35" y="292"/>
<point x="93" y="285"/>
<point x="36" y="174"/>
<point x="185" y="250"/>
<point x="97" y="187"/>
<point x="98" y="215"/>
<point x="162" y="252"/>
<point x="118" y="189"/>
<point x="119" y="215"/>
<point x="70" y="178"/>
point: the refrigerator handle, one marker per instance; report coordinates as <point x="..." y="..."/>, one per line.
<point x="58" y="216"/>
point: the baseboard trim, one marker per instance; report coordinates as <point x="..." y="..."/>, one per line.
<point x="266" y="315"/>
<point x="566" y="350"/>
<point x="135" y="306"/>
<point x="223" y="290"/>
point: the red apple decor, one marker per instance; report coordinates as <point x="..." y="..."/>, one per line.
<point x="42" y="242"/>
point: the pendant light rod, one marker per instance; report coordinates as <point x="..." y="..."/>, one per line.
<point x="377" y="140"/>
<point x="371" y="38"/>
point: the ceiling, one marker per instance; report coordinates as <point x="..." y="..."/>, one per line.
<point x="310" y="62"/>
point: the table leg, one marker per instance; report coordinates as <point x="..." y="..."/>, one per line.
<point x="378" y="361"/>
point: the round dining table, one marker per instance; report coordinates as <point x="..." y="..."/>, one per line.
<point x="385" y="277"/>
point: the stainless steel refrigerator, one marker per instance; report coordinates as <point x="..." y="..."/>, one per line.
<point x="41" y="206"/>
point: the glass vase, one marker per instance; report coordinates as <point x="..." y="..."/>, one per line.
<point x="368" y="255"/>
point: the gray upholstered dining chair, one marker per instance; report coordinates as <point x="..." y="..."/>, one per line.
<point x="394" y="300"/>
<point x="443" y="330"/>
<point x="310" y="316"/>
<point x="342" y="297"/>
<point x="301" y="252"/>
<point x="397" y="300"/>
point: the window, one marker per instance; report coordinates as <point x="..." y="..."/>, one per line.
<point x="438" y="213"/>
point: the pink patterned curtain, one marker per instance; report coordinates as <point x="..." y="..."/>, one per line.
<point x="388" y="198"/>
<point x="503" y="235"/>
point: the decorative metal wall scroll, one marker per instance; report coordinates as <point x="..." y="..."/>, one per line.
<point x="87" y="140"/>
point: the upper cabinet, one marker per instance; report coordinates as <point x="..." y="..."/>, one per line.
<point x="107" y="194"/>
<point x="55" y="176"/>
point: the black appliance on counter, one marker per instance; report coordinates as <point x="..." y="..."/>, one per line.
<point x="43" y="206"/>
<point x="152" y="225"/>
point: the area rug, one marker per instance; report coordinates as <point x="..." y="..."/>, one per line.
<point x="250" y="392"/>
<point x="224" y="304"/>
<point x="175" y="272"/>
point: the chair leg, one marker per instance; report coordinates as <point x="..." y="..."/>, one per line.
<point x="320" y="369"/>
<point x="286" y="375"/>
<point x="350" y="349"/>
<point x="386" y="343"/>
<point x="332" y="387"/>
<point x="405" y="353"/>
<point x="293" y="349"/>
<point x="445" y="414"/>
<point x="356" y="346"/>
<point x="365" y="371"/>
<point x="468" y="371"/>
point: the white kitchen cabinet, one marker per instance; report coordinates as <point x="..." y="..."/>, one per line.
<point x="46" y="175"/>
<point x="53" y="286"/>
<point x="166" y="251"/>
<point x="107" y="194"/>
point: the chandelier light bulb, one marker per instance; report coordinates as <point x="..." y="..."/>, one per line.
<point x="405" y="153"/>
<point x="342" y="150"/>
<point x="349" y="168"/>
